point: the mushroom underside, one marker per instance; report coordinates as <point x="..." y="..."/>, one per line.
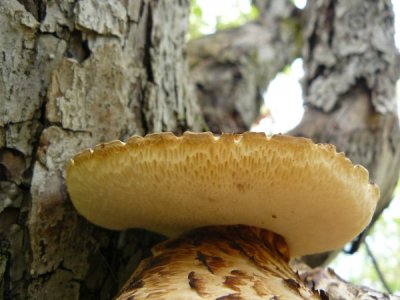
<point x="171" y="185"/>
<point x="202" y="186"/>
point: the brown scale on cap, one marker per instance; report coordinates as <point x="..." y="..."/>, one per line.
<point x="235" y="262"/>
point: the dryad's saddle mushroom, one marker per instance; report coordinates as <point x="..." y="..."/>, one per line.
<point x="242" y="204"/>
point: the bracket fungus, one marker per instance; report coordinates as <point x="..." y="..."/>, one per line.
<point x="237" y="207"/>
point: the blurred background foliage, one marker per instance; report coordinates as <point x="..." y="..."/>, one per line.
<point x="237" y="13"/>
<point x="384" y="239"/>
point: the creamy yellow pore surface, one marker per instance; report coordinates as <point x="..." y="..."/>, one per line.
<point x="308" y="193"/>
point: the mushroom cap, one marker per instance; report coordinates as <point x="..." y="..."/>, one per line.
<point x="308" y="193"/>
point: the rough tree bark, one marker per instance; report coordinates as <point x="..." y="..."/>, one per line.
<point x="351" y="67"/>
<point x="76" y="73"/>
<point x="73" y="74"/>
<point x="232" y="68"/>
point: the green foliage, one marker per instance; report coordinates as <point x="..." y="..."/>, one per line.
<point x="385" y="239"/>
<point x="287" y="70"/>
<point x="243" y="17"/>
<point x="236" y="17"/>
<point x="384" y="243"/>
<point x="196" y="21"/>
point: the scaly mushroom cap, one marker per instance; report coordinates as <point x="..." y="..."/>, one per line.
<point x="308" y="193"/>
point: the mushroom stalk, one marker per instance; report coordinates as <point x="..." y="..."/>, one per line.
<point x="218" y="262"/>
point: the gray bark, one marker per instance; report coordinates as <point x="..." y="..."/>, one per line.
<point x="232" y="68"/>
<point x="337" y="288"/>
<point x="351" y="67"/>
<point x="73" y="74"/>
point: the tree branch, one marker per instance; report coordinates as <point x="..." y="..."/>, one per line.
<point x="377" y="268"/>
<point x="336" y="288"/>
<point x="232" y="68"/>
<point x="350" y="64"/>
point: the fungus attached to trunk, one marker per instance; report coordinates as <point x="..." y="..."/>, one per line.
<point x="237" y="207"/>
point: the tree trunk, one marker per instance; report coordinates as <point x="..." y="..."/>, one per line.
<point x="73" y="74"/>
<point x="232" y="68"/>
<point x="351" y="68"/>
<point x="76" y="73"/>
